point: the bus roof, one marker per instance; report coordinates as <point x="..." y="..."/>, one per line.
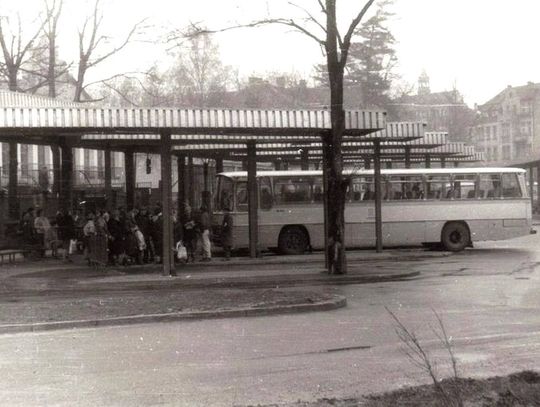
<point x="396" y="171"/>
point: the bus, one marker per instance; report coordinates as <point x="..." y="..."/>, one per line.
<point x="452" y="207"/>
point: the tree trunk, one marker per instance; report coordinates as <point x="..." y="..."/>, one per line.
<point x="51" y="71"/>
<point x="332" y="149"/>
<point x="80" y="80"/>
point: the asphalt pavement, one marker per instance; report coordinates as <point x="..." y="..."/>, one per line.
<point x="487" y="298"/>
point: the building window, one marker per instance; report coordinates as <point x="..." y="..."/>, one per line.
<point x="506" y="153"/>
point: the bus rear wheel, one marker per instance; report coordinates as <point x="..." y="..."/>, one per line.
<point x="292" y="240"/>
<point x="455" y="236"/>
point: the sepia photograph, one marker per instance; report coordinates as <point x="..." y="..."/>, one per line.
<point x="269" y="203"/>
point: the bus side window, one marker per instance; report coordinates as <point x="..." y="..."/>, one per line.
<point x="510" y="186"/>
<point x="265" y="190"/>
<point x="491" y="183"/>
<point x="292" y="190"/>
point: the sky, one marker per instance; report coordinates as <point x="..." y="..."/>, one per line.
<point x="478" y="46"/>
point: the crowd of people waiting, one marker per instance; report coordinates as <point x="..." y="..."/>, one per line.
<point x="119" y="237"/>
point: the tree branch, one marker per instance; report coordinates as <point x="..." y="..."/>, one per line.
<point x="346" y="43"/>
<point x="196" y="30"/>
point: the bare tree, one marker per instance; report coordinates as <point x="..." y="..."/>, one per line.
<point x="16" y="50"/>
<point x="325" y="33"/>
<point x="91" y="40"/>
<point x="53" y="9"/>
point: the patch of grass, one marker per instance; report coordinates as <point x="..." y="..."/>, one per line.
<point x="520" y="389"/>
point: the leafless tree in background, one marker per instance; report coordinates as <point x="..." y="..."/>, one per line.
<point x="93" y="47"/>
<point x="16" y="50"/>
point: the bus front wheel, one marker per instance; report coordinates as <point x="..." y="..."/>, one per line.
<point x="292" y="240"/>
<point x="455" y="236"/>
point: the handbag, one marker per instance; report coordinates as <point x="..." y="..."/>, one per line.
<point x="72" y="246"/>
<point x="181" y="251"/>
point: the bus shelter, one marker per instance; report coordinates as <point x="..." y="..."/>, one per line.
<point x="156" y="128"/>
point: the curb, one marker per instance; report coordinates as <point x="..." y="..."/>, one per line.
<point x="237" y="282"/>
<point x="315" y="259"/>
<point x="338" y="302"/>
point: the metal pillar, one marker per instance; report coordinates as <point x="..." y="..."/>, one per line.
<point x="304" y="159"/>
<point x="378" y="195"/>
<point x="108" y="180"/>
<point x="66" y="178"/>
<point x="428" y="161"/>
<point x="456" y="164"/>
<point x="181" y="201"/>
<point x="56" y="170"/>
<point x="191" y="182"/>
<point x="277" y="165"/>
<point x="13" y="201"/>
<point x="407" y="157"/>
<point x="443" y="162"/>
<point x="166" y="186"/>
<point x="531" y="184"/>
<point x="205" y="175"/>
<point x="129" y="163"/>
<point x="252" y="198"/>
<point x="538" y="186"/>
<point x="219" y="165"/>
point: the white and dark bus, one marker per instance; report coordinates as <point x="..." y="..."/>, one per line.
<point x="449" y="206"/>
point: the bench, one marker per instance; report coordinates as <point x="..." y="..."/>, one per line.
<point x="10" y="254"/>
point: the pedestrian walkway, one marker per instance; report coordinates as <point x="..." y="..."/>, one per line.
<point x="273" y="270"/>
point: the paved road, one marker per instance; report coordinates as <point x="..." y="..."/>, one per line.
<point x="489" y="298"/>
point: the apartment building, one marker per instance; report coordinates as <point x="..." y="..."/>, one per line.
<point x="506" y="126"/>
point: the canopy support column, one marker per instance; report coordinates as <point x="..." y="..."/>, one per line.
<point x="378" y="195"/>
<point x="304" y="159"/>
<point x="206" y="195"/>
<point x="66" y="179"/>
<point x="219" y="165"/>
<point x="108" y="180"/>
<point x="166" y="185"/>
<point x="181" y="201"/>
<point x="456" y="164"/>
<point x="531" y="184"/>
<point x="55" y="150"/>
<point x="443" y="162"/>
<point x="129" y="166"/>
<point x="191" y="182"/>
<point x="13" y="201"/>
<point x="252" y="198"/>
<point x="538" y="185"/>
<point x="407" y="157"/>
<point x="428" y="161"/>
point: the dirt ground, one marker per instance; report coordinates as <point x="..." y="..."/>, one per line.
<point x="34" y="310"/>
<point x="516" y="390"/>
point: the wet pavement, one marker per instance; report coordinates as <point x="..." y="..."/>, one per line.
<point x="488" y="298"/>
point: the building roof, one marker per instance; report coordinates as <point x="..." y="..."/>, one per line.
<point x="523" y="92"/>
<point x="16" y="99"/>
<point x="452" y="97"/>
